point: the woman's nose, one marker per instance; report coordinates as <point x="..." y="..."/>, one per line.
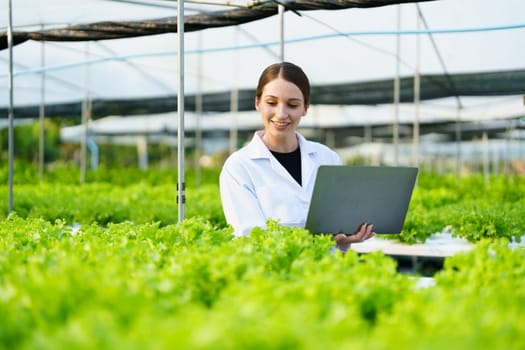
<point x="282" y="112"/>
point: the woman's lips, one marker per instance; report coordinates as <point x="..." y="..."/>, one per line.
<point x="280" y="125"/>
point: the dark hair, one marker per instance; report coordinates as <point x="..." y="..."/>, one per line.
<point x="288" y="71"/>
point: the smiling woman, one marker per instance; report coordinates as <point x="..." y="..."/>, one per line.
<point x="273" y="176"/>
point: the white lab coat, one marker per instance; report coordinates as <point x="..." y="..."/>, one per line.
<point x="255" y="187"/>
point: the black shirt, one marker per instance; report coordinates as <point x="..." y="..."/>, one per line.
<point x="291" y="161"/>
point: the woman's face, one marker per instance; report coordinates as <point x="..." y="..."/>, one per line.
<point x="281" y="106"/>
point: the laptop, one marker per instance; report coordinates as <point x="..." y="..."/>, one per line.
<point x="344" y="197"/>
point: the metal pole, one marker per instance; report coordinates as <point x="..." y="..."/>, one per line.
<point x="181" y="197"/>
<point x="508" y="149"/>
<point x="417" y="90"/>
<point x="11" y="113"/>
<point x="41" y="113"/>
<point x="198" y="114"/>
<point x="85" y="120"/>
<point x="234" y="101"/>
<point x="458" y="141"/>
<point x="395" y="128"/>
<point x="368" y="139"/>
<point x="485" y="161"/>
<point x="83" y="142"/>
<point x="280" y="9"/>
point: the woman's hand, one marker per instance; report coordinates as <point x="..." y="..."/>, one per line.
<point x="364" y="232"/>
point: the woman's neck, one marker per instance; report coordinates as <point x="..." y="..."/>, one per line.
<point x="280" y="144"/>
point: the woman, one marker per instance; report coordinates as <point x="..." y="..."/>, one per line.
<point x="273" y="176"/>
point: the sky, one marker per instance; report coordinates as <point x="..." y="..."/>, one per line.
<point x="227" y="58"/>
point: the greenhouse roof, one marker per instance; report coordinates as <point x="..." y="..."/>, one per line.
<point x="344" y="48"/>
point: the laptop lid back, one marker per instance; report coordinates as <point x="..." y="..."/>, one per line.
<point x="344" y="197"/>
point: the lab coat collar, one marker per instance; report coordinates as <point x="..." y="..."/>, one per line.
<point x="259" y="149"/>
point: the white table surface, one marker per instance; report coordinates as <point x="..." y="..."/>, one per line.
<point x="437" y="245"/>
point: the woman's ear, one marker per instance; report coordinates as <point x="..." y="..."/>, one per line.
<point x="305" y="110"/>
<point x="257" y="103"/>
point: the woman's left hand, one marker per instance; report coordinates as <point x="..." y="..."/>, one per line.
<point x="364" y="232"/>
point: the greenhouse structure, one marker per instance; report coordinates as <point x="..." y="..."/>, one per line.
<point x="116" y="117"/>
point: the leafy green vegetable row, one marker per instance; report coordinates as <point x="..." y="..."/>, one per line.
<point x="104" y="203"/>
<point x="472" y="208"/>
<point x="190" y="285"/>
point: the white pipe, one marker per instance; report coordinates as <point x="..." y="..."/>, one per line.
<point x="485" y="159"/>
<point x="395" y="128"/>
<point x="508" y="149"/>
<point x="459" y="161"/>
<point x="11" y="113"/>
<point x="198" y="114"/>
<point x="93" y="149"/>
<point x="142" y="152"/>
<point x="86" y="111"/>
<point x="281" y="31"/>
<point x="181" y="197"/>
<point x="417" y="91"/>
<point x="83" y="140"/>
<point x="41" y="114"/>
<point x="234" y="100"/>
<point x="228" y="3"/>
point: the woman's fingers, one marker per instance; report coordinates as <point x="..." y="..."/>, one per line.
<point x="369" y="230"/>
<point x="340" y="238"/>
<point x="364" y="232"/>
